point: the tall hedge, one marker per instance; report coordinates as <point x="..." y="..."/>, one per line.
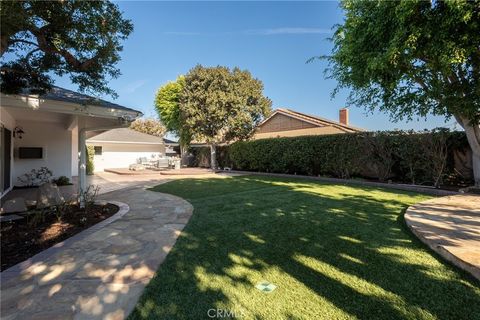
<point x="429" y="158"/>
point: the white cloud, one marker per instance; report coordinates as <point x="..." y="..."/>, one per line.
<point x="280" y="31"/>
<point x="182" y="33"/>
<point x="255" y="32"/>
<point x="133" y="86"/>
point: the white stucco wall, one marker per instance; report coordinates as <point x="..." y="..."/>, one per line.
<point x="57" y="143"/>
<point x="6" y="119"/>
<point x="123" y="155"/>
<point x="9" y="123"/>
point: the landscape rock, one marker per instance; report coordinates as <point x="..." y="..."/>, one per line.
<point x="14" y="205"/>
<point x="48" y="195"/>
<point x="31" y="203"/>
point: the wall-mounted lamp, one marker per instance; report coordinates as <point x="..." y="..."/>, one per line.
<point x="18" y="132"/>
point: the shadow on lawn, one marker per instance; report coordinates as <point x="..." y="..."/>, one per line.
<point x="350" y="249"/>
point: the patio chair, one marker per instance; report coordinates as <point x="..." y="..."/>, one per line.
<point x="163" y="163"/>
<point x="142" y="160"/>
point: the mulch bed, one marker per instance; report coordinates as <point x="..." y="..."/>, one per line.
<point x="22" y="239"/>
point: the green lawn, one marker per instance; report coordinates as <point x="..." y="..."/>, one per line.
<point x="333" y="251"/>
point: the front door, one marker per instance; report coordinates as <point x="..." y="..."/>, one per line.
<point x="6" y="145"/>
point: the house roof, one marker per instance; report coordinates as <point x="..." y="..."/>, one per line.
<point x="168" y="141"/>
<point x="315" y="131"/>
<point x="62" y="94"/>
<point x="127" y="135"/>
<point x="315" y="120"/>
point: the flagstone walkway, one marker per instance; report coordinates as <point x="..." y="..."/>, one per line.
<point x="102" y="275"/>
<point x="451" y="227"/>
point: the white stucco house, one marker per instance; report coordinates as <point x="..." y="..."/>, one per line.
<point x="119" y="148"/>
<point x="49" y="130"/>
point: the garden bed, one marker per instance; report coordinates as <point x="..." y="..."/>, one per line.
<point x="22" y="239"/>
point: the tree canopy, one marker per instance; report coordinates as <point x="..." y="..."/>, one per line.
<point x="149" y="126"/>
<point x="167" y="105"/>
<point x="412" y="58"/>
<point x="78" y="38"/>
<point x="220" y="105"/>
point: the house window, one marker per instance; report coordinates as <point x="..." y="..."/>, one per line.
<point x="98" y="150"/>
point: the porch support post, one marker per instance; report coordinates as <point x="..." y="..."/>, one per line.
<point x="82" y="158"/>
<point x="82" y="166"/>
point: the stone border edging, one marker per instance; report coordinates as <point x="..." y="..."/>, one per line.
<point x="439" y="249"/>
<point x="15" y="270"/>
<point x="404" y="187"/>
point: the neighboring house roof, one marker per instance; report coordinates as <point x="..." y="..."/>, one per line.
<point x="170" y="142"/>
<point x="127" y="136"/>
<point x="65" y="95"/>
<point x="314" y="120"/>
<point x="317" y="131"/>
<point x="288" y="123"/>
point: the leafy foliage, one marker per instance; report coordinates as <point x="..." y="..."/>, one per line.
<point x="62" y="181"/>
<point x="167" y="104"/>
<point x="149" y="126"/>
<point x="78" y="38"/>
<point x="220" y="105"/>
<point x="412" y="157"/>
<point x="90" y="164"/>
<point x="411" y="59"/>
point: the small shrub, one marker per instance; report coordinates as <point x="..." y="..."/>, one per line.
<point x="63" y="209"/>
<point x="37" y="217"/>
<point x="89" y="196"/>
<point x="62" y="181"/>
<point x="435" y="152"/>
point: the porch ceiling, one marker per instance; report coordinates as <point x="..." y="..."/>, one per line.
<point x="85" y="121"/>
<point x="36" y="115"/>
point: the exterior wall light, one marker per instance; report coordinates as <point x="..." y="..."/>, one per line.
<point x="18" y="132"/>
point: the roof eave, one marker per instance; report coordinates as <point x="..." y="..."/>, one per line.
<point x="34" y="102"/>
<point x="123" y="142"/>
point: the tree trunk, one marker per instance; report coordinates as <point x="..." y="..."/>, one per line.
<point x="473" y="136"/>
<point x="213" y="156"/>
<point x="476" y="168"/>
<point x="183" y="155"/>
<point x="3" y="44"/>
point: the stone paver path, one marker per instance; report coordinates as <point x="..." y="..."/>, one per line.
<point x="102" y="275"/>
<point x="451" y="227"/>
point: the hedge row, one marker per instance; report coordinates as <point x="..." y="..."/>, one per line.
<point x="430" y="158"/>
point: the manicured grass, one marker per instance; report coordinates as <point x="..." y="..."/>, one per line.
<point x="333" y="251"/>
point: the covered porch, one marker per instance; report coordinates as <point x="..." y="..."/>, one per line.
<point x="50" y="131"/>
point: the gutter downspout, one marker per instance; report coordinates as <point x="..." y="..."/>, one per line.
<point x="82" y="163"/>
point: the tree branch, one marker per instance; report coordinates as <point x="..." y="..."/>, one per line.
<point x="421" y="82"/>
<point x="23" y="41"/>
<point x="12" y="70"/>
<point x="31" y="52"/>
<point x="49" y="47"/>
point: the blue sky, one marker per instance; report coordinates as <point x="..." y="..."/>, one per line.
<point x="272" y="40"/>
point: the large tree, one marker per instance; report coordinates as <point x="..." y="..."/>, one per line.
<point x="149" y="126"/>
<point x="78" y="38"/>
<point x="412" y="58"/>
<point x="219" y="105"/>
<point x="167" y="105"/>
